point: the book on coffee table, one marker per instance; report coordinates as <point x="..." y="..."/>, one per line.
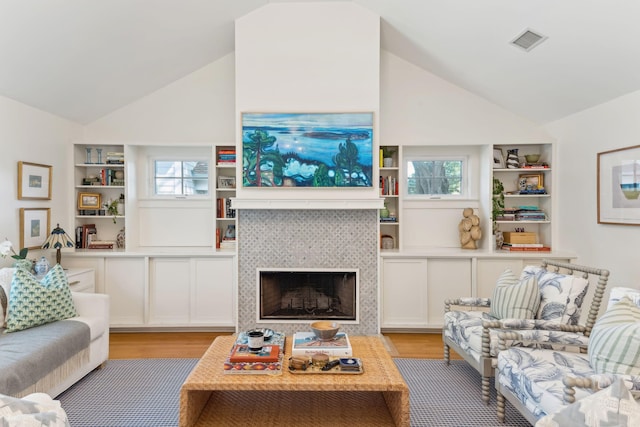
<point x="307" y="344"/>
<point x="242" y="353"/>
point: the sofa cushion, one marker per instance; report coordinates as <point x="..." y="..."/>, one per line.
<point x="613" y="406"/>
<point x="6" y="274"/>
<point x="614" y="345"/>
<point x="619" y="292"/>
<point x="561" y="295"/>
<point x="36" y="409"/>
<point x="513" y="298"/>
<point x="33" y="302"/>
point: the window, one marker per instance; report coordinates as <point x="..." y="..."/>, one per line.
<point x="181" y="177"/>
<point x="436" y="177"/>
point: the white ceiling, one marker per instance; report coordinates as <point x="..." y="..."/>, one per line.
<point x="81" y="59"/>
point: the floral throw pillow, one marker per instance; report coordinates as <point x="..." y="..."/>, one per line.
<point x="34" y="302"/>
<point x="561" y="295"/>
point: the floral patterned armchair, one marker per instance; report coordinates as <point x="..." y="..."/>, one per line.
<point x="542" y="303"/>
<point x="541" y="383"/>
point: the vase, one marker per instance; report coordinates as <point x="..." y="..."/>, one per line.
<point x="384" y="212"/>
<point x="387" y="162"/>
<point x="120" y="239"/>
<point x="88" y="160"/>
<point x="512" y="159"/>
<point x="499" y="239"/>
<point x="42" y="266"/>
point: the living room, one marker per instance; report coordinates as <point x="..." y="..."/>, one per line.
<point x="415" y="108"/>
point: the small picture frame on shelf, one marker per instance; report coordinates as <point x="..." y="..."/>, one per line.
<point x="89" y="201"/>
<point x="498" y="159"/>
<point x="532" y="181"/>
<point x="226" y="182"/>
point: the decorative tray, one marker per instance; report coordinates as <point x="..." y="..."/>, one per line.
<point x="345" y="366"/>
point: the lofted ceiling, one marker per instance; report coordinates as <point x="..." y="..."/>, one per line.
<point x="82" y="59"/>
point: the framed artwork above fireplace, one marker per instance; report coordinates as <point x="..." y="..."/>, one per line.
<point x="284" y="150"/>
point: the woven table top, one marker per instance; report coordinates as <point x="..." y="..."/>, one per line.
<point x="380" y="373"/>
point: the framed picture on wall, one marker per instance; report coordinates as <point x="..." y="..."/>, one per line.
<point x="34" y="227"/>
<point x="283" y="150"/>
<point x="619" y="186"/>
<point x="34" y="181"/>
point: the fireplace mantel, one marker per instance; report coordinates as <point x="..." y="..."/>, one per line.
<point x="328" y="204"/>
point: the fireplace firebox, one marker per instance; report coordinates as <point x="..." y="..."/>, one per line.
<point x="308" y="294"/>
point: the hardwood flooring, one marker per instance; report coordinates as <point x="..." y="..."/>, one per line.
<point x="133" y="345"/>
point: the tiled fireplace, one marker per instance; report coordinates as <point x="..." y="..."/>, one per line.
<point x="304" y="241"/>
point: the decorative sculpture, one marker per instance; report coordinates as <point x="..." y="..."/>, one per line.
<point x="469" y="229"/>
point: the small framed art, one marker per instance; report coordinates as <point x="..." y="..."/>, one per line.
<point x="226" y="182"/>
<point x="34" y="181"/>
<point x="34" y="227"/>
<point x="619" y="186"/>
<point x="498" y="159"/>
<point x="89" y="201"/>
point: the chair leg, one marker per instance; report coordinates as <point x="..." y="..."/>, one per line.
<point x="500" y="402"/>
<point x="446" y="354"/>
<point x="486" y="389"/>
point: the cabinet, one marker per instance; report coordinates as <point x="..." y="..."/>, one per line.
<point x="99" y="183"/>
<point x="81" y="280"/>
<point x="389" y="185"/>
<point x="528" y="186"/>
<point x="225" y="191"/>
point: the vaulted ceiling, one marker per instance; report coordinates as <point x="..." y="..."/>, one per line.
<point x="81" y="59"/>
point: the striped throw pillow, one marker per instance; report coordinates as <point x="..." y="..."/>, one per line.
<point x="515" y="299"/>
<point x="614" y="344"/>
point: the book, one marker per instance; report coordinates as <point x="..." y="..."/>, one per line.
<point x="272" y="339"/>
<point x="524" y="245"/>
<point x="521" y="249"/>
<point x="241" y="353"/>
<point x="307" y="344"/>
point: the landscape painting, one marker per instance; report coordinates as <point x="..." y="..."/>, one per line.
<point x="307" y="149"/>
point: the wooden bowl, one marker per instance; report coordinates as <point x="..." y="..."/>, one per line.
<point x="325" y="330"/>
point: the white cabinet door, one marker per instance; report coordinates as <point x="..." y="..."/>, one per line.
<point x="213" y="299"/>
<point x="126" y="283"/>
<point x="447" y="278"/>
<point x="169" y="288"/>
<point x="404" y="293"/>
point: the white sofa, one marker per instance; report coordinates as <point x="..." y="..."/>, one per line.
<point x="93" y="310"/>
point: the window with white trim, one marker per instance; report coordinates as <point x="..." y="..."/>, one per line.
<point x="431" y="177"/>
<point x="181" y="177"/>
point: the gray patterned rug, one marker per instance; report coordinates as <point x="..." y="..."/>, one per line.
<point x="145" y="393"/>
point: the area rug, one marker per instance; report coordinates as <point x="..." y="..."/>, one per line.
<point x="145" y="393"/>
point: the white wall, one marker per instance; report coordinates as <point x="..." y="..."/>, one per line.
<point x="612" y="125"/>
<point x="308" y="57"/>
<point x="30" y="135"/>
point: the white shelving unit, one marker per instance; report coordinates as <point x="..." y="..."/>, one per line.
<point x="95" y="178"/>
<point x="390" y="189"/>
<point x="225" y="190"/>
<point x="511" y="177"/>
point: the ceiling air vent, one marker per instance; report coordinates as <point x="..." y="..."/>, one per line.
<point x="527" y="40"/>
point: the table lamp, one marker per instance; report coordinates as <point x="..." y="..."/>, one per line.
<point x="58" y="239"/>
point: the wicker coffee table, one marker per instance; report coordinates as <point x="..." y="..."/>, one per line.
<point x="377" y="397"/>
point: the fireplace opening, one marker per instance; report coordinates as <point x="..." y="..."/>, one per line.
<point x="308" y="294"/>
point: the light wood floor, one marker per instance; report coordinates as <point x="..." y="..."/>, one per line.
<point x="193" y="345"/>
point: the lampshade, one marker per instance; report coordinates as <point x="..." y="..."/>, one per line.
<point x="58" y="239"/>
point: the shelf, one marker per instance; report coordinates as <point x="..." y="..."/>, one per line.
<point x="100" y="186"/>
<point x="100" y="216"/>
<point x="389" y="223"/>
<point x="523" y="222"/>
<point x="521" y="170"/>
<point x="231" y="165"/>
<point x="392" y="168"/>
<point x="519" y="196"/>
<point x="100" y="165"/>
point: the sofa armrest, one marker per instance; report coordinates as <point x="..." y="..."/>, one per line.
<point x="467" y="302"/>
<point x="596" y="382"/>
<point x="91" y="305"/>
<point x="534" y="336"/>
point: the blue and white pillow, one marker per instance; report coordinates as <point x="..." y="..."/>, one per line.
<point x="513" y="298"/>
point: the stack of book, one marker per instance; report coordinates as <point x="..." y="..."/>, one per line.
<point x="227" y="157"/>
<point x="266" y="361"/>
<point x="530" y="215"/>
<point x="523" y="247"/>
<point x="223" y="208"/>
<point x="115" y="158"/>
<point x="307" y="344"/>
<point x="388" y="186"/>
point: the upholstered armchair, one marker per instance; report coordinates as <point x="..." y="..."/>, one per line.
<point x="543" y="301"/>
<point x="543" y="382"/>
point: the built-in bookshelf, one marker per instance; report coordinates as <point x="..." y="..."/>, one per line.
<point x="389" y="186"/>
<point x="225" y="158"/>
<point x="99" y="200"/>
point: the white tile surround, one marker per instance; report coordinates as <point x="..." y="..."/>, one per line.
<point x="279" y="238"/>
